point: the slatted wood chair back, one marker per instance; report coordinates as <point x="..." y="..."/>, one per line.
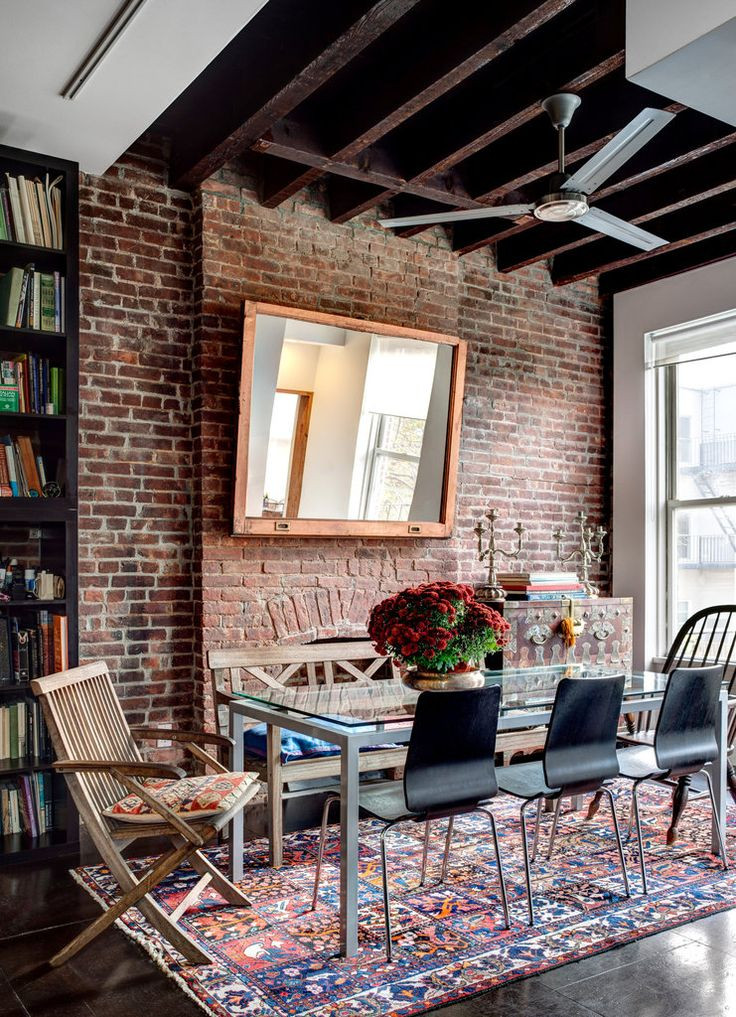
<point x="85" y="721"/>
<point x="707" y="637"/>
<point x="279" y="667"/>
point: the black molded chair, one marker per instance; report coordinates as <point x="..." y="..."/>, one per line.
<point x="449" y="771"/>
<point x="579" y="757"/>
<point x="684" y="741"/>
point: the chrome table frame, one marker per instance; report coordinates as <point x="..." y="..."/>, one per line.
<point x="351" y="740"/>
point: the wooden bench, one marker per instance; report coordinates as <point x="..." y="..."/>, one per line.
<point x="283" y="666"/>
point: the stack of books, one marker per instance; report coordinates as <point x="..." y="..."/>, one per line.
<point x="23" y="734"/>
<point x="30" y="384"/>
<point x="22" y="468"/>
<point x="540" y="585"/>
<point x="26" y="805"/>
<point x="30" y="299"/>
<point x="30" y="211"/>
<point x="33" y="649"/>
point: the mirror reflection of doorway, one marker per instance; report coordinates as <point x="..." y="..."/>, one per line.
<point x="287" y="448"/>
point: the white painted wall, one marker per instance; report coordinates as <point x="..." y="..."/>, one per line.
<point x="333" y="428"/>
<point x="269" y="342"/>
<point x="661" y="304"/>
<point x="167" y="44"/>
<point x="656" y="28"/>
<point x="685" y="51"/>
<point x="427" y="500"/>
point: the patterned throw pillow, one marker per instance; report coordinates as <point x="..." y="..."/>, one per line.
<point x="191" y="797"/>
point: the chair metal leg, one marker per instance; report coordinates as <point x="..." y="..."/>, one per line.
<point x="384" y="877"/>
<point x="501" y="879"/>
<point x="535" y="842"/>
<point x="636" y="816"/>
<point x="527" y="869"/>
<point x="425" y="851"/>
<point x="321" y="850"/>
<point x="716" y="821"/>
<point x="553" y="832"/>
<point x="448" y="842"/>
<point x="609" y="793"/>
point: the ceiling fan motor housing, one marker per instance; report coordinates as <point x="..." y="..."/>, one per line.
<point x="561" y="206"/>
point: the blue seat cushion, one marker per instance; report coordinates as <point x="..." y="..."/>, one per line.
<point x="295" y="746"/>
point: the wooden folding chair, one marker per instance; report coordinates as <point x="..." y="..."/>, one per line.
<point x="120" y="799"/>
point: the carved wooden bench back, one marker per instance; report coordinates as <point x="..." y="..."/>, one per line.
<point x="280" y="666"/>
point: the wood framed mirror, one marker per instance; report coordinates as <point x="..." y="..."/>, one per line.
<point x="345" y="427"/>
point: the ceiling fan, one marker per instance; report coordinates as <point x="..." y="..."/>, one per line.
<point x="568" y="197"/>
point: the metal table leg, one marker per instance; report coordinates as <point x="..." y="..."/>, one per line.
<point x="236" y="826"/>
<point x="349" y="850"/>
<point x="717" y="770"/>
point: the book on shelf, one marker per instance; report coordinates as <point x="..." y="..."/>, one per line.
<point x="30" y="211"/>
<point x="31" y="384"/>
<point x="27" y="804"/>
<point x="24" y="737"/>
<point x="23" y="469"/>
<point x="31" y="299"/>
<point x="32" y="649"/>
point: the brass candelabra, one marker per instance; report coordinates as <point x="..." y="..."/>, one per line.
<point x="493" y="590"/>
<point x="589" y="551"/>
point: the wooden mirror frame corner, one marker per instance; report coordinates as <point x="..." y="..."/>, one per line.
<point x="249" y="526"/>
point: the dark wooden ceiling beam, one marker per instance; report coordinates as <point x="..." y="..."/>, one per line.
<point x="693" y="255"/>
<point x="578" y="47"/>
<point x="288" y="53"/>
<point x="292" y="144"/>
<point x="467" y="45"/>
<point x="681" y="186"/>
<point x="467" y="119"/>
<point x="695" y="222"/>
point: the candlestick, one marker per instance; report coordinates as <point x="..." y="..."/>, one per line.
<point x="585" y="551"/>
<point x="493" y="591"/>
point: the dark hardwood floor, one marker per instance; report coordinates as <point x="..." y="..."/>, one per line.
<point x="688" y="972"/>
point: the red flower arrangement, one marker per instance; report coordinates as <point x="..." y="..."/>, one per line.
<point x="436" y="627"/>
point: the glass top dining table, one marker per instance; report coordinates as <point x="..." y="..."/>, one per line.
<point x="355" y="716"/>
<point x="380" y="706"/>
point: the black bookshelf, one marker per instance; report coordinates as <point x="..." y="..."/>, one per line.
<point x="51" y="522"/>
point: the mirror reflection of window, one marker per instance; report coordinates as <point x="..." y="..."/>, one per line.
<point x="392" y="466"/>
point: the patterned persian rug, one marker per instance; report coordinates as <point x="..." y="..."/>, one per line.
<point x="278" y="958"/>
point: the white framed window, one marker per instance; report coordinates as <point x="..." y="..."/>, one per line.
<point x="392" y="465"/>
<point x="695" y="385"/>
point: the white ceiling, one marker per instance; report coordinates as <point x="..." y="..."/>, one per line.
<point x="167" y="44"/>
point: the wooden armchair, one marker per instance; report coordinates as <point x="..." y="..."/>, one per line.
<point x="122" y="798"/>
<point x="277" y="667"/>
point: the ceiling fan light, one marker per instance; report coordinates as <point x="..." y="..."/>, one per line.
<point x="561" y="207"/>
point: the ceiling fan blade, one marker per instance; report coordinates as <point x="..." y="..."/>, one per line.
<point x="603" y="164"/>
<point x="601" y="222"/>
<point x="503" y="211"/>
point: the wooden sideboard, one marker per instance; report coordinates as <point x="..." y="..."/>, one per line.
<point x="535" y="641"/>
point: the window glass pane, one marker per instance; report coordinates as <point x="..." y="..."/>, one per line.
<point x="704" y="567"/>
<point x="402" y="434"/>
<point x="706" y="428"/>
<point x="392" y="488"/>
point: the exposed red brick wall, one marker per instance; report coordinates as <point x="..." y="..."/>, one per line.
<point x="533" y="441"/>
<point x="163" y="278"/>
<point x="135" y="553"/>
